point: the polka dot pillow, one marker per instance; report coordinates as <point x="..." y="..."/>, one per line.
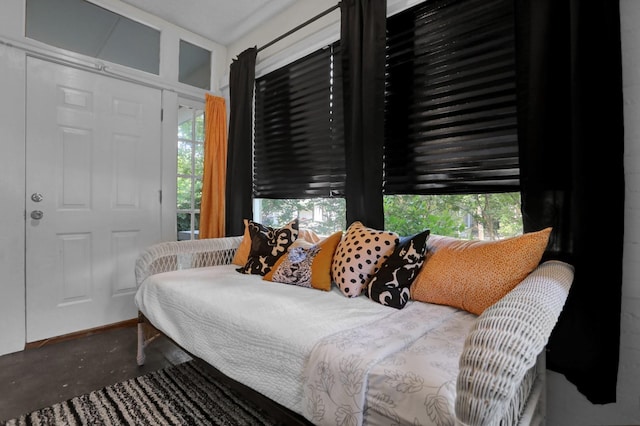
<point x="359" y="255"/>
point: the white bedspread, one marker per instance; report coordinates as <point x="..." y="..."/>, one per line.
<point x="257" y="332"/>
<point x="286" y="341"/>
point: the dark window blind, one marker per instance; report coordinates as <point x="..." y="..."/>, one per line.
<point x="299" y="144"/>
<point x="450" y="107"/>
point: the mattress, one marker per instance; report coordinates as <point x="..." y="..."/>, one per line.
<point x="257" y="332"/>
<point x="270" y="337"/>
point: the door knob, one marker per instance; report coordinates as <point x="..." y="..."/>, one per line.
<point x="36" y="214"/>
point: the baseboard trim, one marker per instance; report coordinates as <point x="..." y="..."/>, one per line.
<point x="82" y="333"/>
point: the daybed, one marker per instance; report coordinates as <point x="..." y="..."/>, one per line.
<point x="340" y="360"/>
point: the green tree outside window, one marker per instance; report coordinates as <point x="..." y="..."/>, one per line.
<point x="190" y="163"/>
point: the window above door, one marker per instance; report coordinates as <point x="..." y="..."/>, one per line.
<point x="82" y="27"/>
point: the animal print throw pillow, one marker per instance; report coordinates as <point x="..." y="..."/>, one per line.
<point x="391" y="285"/>
<point x="267" y="246"/>
<point x="296" y="268"/>
<point x="242" y="253"/>
<point x="306" y="264"/>
<point x="358" y="256"/>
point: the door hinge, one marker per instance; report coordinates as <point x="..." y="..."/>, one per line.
<point x="160" y="196"/>
<point x="161" y="114"/>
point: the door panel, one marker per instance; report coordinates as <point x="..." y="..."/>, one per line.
<point x="93" y="154"/>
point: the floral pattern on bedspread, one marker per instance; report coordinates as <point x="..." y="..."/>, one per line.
<point x="377" y="374"/>
<point x="406" y="390"/>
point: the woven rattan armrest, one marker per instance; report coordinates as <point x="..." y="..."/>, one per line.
<point x="505" y="342"/>
<point x="174" y="255"/>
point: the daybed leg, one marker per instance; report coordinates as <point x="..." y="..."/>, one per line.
<point x="542" y="367"/>
<point x="140" y="357"/>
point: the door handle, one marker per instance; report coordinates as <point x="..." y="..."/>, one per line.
<point x="36" y="214"/>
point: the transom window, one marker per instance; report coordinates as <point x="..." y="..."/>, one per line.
<point x="194" y="65"/>
<point x="81" y="26"/>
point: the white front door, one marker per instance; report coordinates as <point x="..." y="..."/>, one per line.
<point x="92" y="196"/>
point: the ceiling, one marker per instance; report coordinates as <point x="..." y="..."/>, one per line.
<point x="223" y="21"/>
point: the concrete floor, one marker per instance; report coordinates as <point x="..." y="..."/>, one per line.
<point x="37" y="378"/>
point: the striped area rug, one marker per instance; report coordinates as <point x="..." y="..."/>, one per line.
<point x="182" y="394"/>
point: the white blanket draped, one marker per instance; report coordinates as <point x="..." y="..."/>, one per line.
<point x="378" y="373"/>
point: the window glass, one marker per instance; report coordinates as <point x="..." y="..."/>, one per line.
<point x="199" y="136"/>
<point x="467" y="216"/>
<point x="190" y="158"/>
<point x="199" y="160"/>
<point x="184" y="193"/>
<point x="83" y="27"/>
<point x="322" y="215"/>
<point x="197" y="192"/>
<point x="195" y="65"/>
<point x="185" y="129"/>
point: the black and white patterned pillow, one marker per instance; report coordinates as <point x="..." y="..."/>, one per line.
<point x="267" y="246"/>
<point x="358" y="256"/>
<point x="391" y="285"/>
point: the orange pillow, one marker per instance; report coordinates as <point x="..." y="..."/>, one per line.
<point x="242" y="254"/>
<point x="473" y="275"/>
<point x="316" y="274"/>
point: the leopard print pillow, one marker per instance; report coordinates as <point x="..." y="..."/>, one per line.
<point x="306" y="264"/>
<point x="358" y="256"/>
<point x="296" y="268"/>
<point x="267" y="246"/>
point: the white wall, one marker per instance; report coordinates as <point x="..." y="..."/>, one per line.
<point x="566" y="406"/>
<point x="12" y="139"/>
<point x="12" y="201"/>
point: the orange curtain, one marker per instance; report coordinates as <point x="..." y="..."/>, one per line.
<point x="212" y="208"/>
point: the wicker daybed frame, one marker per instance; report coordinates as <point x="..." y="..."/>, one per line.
<point x="504" y="355"/>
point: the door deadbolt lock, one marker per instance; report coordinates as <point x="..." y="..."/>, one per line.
<point x="37" y="197"/>
<point x="37" y="214"/>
